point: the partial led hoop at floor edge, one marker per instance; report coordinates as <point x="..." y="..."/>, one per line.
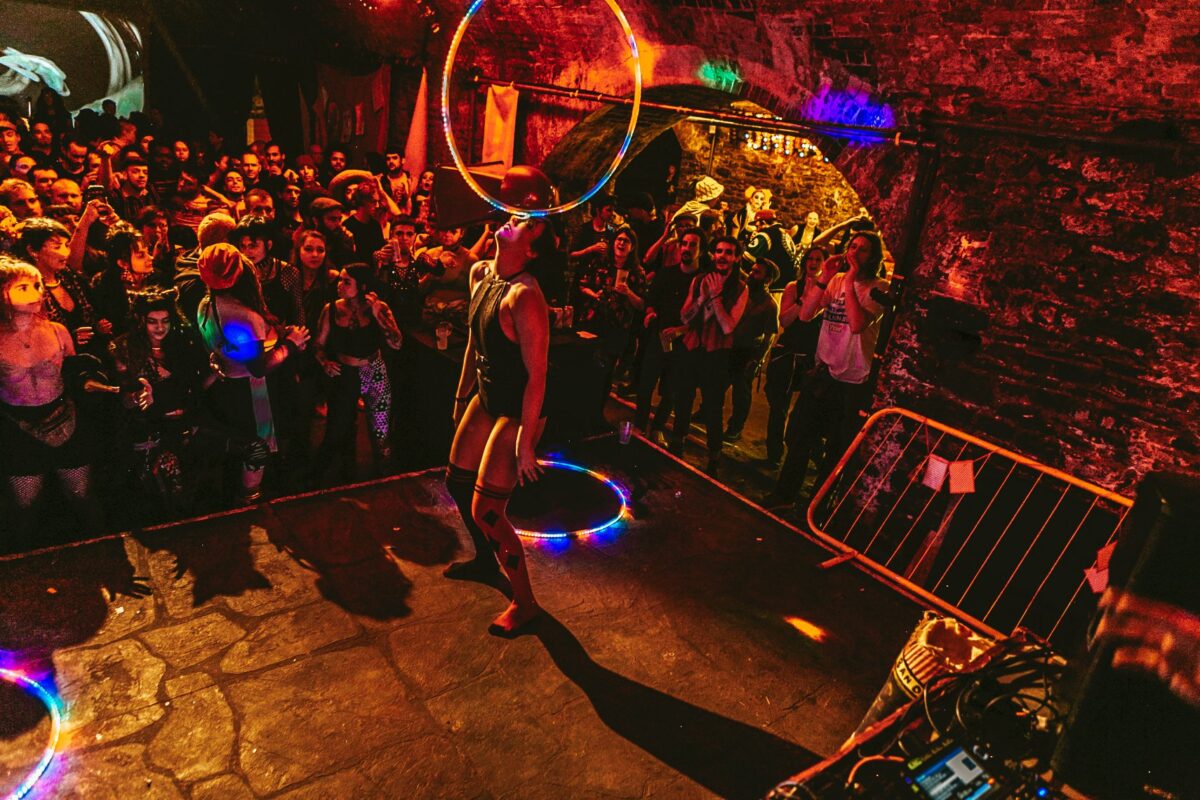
<point x="618" y="490"/>
<point x="448" y="72"/>
<point x="37" y="690"/>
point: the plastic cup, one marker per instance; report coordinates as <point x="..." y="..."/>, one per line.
<point x="624" y="432"/>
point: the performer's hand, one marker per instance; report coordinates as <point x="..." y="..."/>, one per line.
<point x="528" y="468"/>
<point x="332" y="368"/>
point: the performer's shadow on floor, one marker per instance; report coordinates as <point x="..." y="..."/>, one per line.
<point x="356" y="544"/>
<point x="729" y="758"/>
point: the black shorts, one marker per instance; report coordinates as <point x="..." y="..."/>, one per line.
<point x="23" y="454"/>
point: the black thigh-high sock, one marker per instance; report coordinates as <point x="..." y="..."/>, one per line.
<point x="461" y="485"/>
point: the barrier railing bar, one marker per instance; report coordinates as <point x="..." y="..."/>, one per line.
<point x="909" y="587"/>
<point x="1000" y="539"/>
<point x="879" y="485"/>
<point x="982" y="465"/>
<point x="928" y="503"/>
<point x="900" y="499"/>
<point x="882" y="441"/>
<point x="1028" y="550"/>
<point x="1079" y="588"/>
<point x="1054" y="566"/>
<point x="975" y="527"/>
<point x="1020" y="459"/>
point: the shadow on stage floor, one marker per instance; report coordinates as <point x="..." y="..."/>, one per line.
<point x="311" y="647"/>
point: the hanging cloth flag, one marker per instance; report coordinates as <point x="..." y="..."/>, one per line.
<point x="500" y="125"/>
<point x="415" y="150"/>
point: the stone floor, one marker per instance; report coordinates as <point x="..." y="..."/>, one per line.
<point x="311" y="648"/>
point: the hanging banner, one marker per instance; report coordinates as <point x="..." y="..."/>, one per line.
<point x="348" y="105"/>
<point x="418" y="131"/>
<point x="500" y="125"/>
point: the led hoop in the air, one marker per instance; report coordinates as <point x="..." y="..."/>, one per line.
<point x="41" y="693"/>
<point x="612" y="169"/>
<point x="617" y="489"/>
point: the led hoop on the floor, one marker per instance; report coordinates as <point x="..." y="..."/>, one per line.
<point x="612" y="169"/>
<point x="618" y="490"/>
<point x="40" y="692"/>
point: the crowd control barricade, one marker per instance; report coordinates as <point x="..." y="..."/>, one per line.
<point x="988" y="535"/>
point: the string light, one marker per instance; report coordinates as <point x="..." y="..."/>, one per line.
<point x="780" y="144"/>
<point x="619" y="490"/>
<point x="34" y="688"/>
<point x="469" y="179"/>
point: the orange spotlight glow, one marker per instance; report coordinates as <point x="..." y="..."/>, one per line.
<point x="814" y="632"/>
<point x="648" y="55"/>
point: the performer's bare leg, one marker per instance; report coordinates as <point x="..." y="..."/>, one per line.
<point x="466" y="453"/>
<point x="497" y="477"/>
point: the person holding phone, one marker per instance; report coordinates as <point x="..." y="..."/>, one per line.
<point x="845" y="293"/>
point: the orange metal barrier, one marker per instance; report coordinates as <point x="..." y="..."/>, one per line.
<point x="1010" y="553"/>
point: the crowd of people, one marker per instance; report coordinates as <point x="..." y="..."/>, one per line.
<point x="187" y="324"/>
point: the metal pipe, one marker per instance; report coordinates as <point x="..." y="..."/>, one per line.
<point x="1056" y="135"/>
<point x="714" y="117"/>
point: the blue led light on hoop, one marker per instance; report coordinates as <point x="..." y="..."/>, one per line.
<point x="612" y="169"/>
<point x="40" y="692"/>
<point x="618" y="490"/>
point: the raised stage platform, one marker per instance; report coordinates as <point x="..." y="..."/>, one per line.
<point x="311" y="648"/>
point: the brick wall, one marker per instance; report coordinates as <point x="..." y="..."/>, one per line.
<point x="798" y="185"/>
<point x="1053" y="305"/>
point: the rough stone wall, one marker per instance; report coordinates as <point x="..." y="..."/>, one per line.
<point x="798" y="185"/>
<point x="1052" y="308"/>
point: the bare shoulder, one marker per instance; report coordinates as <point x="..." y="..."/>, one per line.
<point x="61" y="333"/>
<point x="526" y="293"/>
<point x="479" y="271"/>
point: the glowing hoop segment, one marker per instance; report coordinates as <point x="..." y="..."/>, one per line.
<point x="37" y="690"/>
<point x="618" y="490"/>
<point x="448" y="71"/>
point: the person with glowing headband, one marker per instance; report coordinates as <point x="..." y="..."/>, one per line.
<point x="498" y="427"/>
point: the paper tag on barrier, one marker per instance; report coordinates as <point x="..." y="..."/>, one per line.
<point x="962" y="477"/>
<point x="935" y="472"/>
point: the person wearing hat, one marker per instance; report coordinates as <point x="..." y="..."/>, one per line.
<point x="640" y="214"/>
<point x="499" y="425"/>
<point x="752" y="340"/>
<point x="706" y="191"/>
<point x="238" y="331"/>
<point x="772" y="242"/>
<point x="326" y="216"/>
<point x="758" y="198"/>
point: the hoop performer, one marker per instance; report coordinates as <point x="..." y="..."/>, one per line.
<point x="498" y="428"/>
